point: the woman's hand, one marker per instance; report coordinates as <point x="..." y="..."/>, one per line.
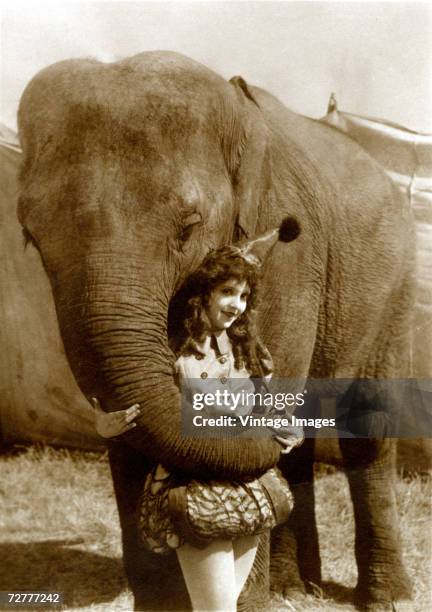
<point x="111" y="424"/>
<point x="292" y="441"/>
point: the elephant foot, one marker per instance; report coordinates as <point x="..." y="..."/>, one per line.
<point x="285" y="578"/>
<point x="383" y="588"/>
<point x="382" y="601"/>
<point x="290" y="594"/>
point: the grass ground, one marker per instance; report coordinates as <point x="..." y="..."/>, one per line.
<point x="59" y="531"/>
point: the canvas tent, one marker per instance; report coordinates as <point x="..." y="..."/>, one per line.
<point x="39" y="399"/>
<point x="406" y="156"/>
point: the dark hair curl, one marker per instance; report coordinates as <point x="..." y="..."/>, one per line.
<point x="191" y="301"/>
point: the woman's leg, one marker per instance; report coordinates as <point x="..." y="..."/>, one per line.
<point x="210" y="575"/>
<point x="244" y="555"/>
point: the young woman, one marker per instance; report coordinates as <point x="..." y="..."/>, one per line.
<point x="217" y="340"/>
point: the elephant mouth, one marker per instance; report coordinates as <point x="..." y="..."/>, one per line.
<point x="176" y="314"/>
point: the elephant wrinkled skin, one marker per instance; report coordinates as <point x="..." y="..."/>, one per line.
<point x="132" y="171"/>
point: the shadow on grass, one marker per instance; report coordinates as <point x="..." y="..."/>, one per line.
<point x="338" y="592"/>
<point x="82" y="576"/>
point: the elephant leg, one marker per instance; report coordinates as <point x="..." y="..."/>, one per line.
<point x="156" y="581"/>
<point x="382" y="580"/>
<point x="297" y="467"/>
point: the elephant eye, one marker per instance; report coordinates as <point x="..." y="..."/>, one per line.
<point x="186" y="233"/>
<point x="188" y="225"/>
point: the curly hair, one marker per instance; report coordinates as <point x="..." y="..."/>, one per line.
<point x="219" y="266"/>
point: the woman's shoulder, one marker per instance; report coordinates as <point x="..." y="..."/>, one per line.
<point x="186" y="365"/>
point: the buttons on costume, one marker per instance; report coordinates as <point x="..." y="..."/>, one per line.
<point x="222" y="359"/>
<point x="204" y="375"/>
<point x="223" y="379"/>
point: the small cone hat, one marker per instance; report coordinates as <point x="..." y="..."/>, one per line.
<point x="256" y="250"/>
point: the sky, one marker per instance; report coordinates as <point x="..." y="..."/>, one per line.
<point x="376" y="57"/>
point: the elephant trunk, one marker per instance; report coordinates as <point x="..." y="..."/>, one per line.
<point x="114" y="329"/>
<point x="114" y="326"/>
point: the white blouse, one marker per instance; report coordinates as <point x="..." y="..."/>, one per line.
<point x="212" y="369"/>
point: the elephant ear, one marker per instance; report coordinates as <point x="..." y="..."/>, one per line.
<point x="241" y="85"/>
<point x="247" y="150"/>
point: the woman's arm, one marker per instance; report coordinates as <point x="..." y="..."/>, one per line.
<point x="111" y="424"/>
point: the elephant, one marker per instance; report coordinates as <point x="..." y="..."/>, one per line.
<point x="132" y="171"/>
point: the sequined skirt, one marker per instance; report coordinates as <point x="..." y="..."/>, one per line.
<point x="198" y="512"/>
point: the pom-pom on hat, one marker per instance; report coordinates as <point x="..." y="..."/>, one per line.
<point x="256" y="250"/>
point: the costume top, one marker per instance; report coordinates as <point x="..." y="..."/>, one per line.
<point x="211" y="368"/>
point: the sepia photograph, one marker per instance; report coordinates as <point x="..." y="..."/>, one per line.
<point x="216" y="306"/>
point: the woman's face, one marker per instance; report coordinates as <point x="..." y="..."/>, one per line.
<point x="227" y="302"/>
